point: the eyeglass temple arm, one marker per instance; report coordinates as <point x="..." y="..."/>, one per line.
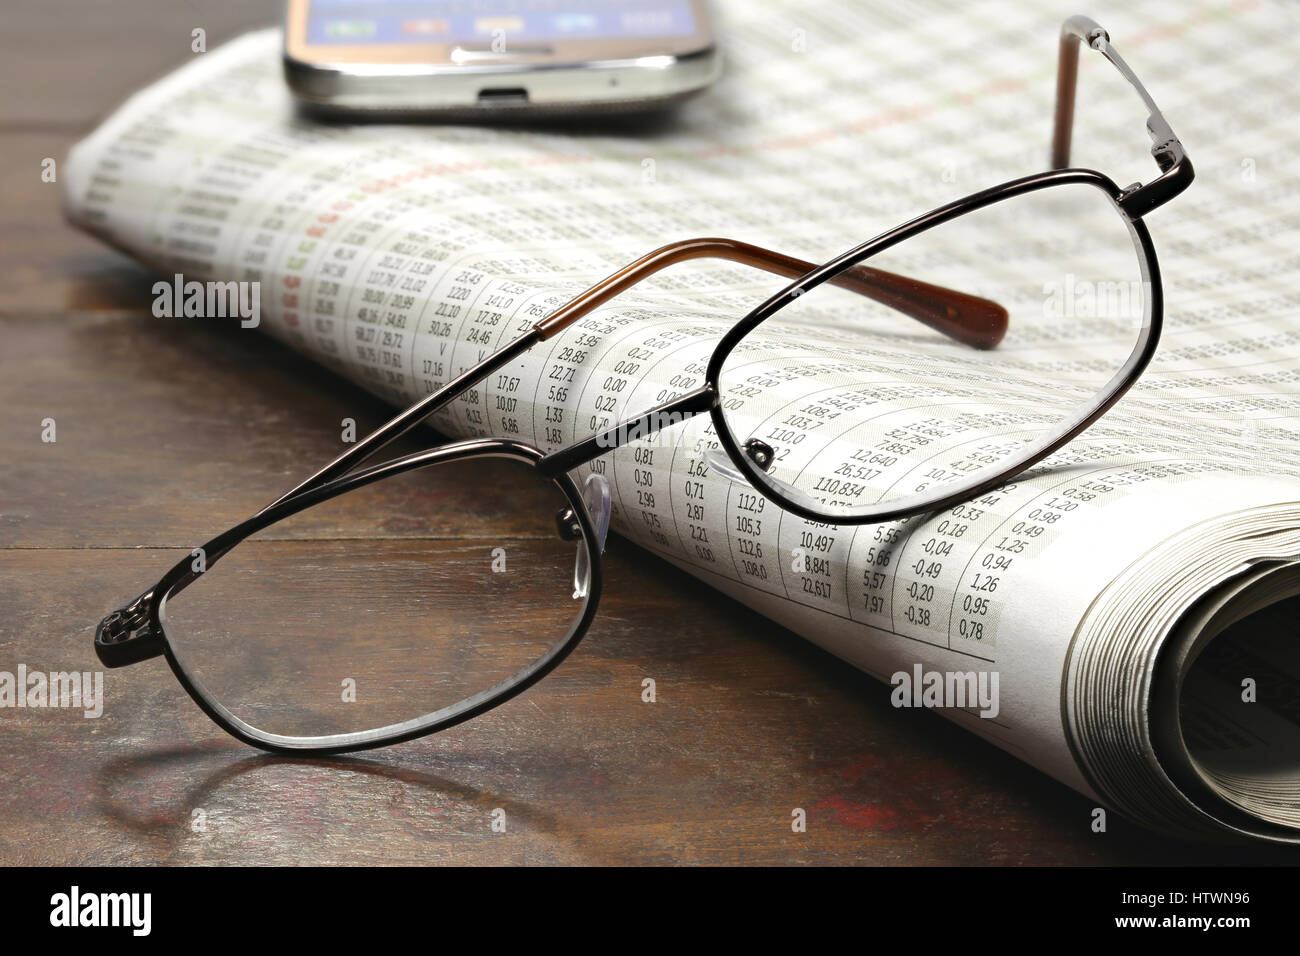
<point x="1176" y="171"/>
<point x="980" y="323"/>
<point x="408" y="418"/>
<point x="977" y="322"/>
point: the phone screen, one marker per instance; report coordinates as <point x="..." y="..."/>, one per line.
<point x="480" y="22"/>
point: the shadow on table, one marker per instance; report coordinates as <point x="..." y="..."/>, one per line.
<point x="164" y="819"/>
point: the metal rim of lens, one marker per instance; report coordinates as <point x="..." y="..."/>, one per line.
<point x="1147" y="340"/>
<point x="429" y="723"/>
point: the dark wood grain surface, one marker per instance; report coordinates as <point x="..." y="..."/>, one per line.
<point x="169" y="431"/>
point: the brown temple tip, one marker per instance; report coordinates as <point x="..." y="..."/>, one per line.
<point x="972" y="320"/>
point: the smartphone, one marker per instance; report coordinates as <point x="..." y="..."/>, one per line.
<point x="486" y="58"/>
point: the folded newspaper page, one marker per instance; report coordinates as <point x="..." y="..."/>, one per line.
<point x="1121" y="616"/>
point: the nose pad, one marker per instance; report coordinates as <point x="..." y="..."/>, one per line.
<point x="721" y="464"/>
<point x="759" y="452"/>
<point x="595" y="496"/>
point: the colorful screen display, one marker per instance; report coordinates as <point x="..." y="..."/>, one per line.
<point x="478" y="23"/>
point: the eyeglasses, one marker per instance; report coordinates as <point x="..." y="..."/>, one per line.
<point x="982" y="336"/>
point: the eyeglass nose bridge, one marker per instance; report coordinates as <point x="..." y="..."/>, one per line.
<point x="596" y="499"/>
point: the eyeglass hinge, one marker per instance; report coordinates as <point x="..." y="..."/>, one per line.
<point x="125" y="637"/>
<point x="1176" y="175"/>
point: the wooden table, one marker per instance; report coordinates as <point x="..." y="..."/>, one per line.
<point x="170" y="430"/>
